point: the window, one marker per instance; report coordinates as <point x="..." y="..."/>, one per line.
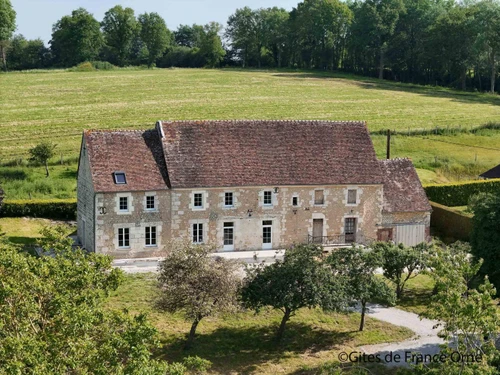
<point x="198" y="233"/>
<point x="267" y="234"/>
<point x="123" y="204"/>
<point x="319" y="197"/>
<point x="120" y="178"/>
<point x="228" y="234"/>
<point x="123" y="237"/>
<point x="228" y="199"/>
<point x="352" y="196"/>
<point x="150" y="202"/>
<point x="198" y="200"/>
<point x="295" y="201"/>
<point x="268" y="198"/>
<point x="150" y="236"/>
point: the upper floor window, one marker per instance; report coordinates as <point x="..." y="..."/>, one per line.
<point x="198" y="200"/>
<point x="228" y="199"/>
<point x="120" y="178"/>
<point x="123" y="205"/>
<point x="268" y="198"/>
<point x="123" y="237"/>
<point x="150" y="202"/>
<point x="198" y="233"/>
<point x="319" y="197"/>
<point x="150" y="236"/>
<point x="352" y="196"/>
<point x="295" y="201"/>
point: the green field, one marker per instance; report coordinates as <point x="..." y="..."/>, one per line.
<point x="58" y="105"/>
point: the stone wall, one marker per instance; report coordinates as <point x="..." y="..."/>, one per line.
<point x="85" y="204"/>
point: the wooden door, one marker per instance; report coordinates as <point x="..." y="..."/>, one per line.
<point x="350" y="230"/>
<point x="318" y="230"/>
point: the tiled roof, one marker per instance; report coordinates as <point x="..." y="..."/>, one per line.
<point x="492" y="173"/>
<point x="137" y="153"/>
<point x="269" y="153"/>
<point x="403" y="191"/>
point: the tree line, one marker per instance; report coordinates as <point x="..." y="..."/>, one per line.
<point x="437" y="42"/>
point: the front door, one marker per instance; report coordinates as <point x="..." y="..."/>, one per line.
<point x="228" y="236"/>
<point x="267" y="234"/>
<point x="350" y="230"/>
<point x="317" y="231"/>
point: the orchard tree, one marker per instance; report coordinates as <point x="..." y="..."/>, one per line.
<point x="400" y="263"/>
<point x="300" y="280"/>
<point x="54" y="320"/>
<point x="7" y="28"/>
<point x="198" y="285"/>
<point x="41" y="153"/>
<point x="119" y="27"/>
<point x="358" y="266"/>
<point x="154" y="34"/>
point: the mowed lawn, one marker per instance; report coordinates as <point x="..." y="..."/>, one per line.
<point x="244" y="344"/>
<point x="58" y="105"/>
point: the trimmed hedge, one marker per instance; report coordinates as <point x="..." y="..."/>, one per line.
<point x="451" y="225"/>
<point x="60" y="209"/>
<point x="458" y="194"/>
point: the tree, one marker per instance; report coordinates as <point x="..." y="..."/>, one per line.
<point x="193" y="282"/>
<point x="7" y="28"/>
<point x="300" y="280"/>
<point x="467" y="316"/>
<point x="241" y="32"/>
<point x="41" y="153"/>
<point x="210" y="45"/>
<point x="53" y="319"/>
<point x="275" y="32"/>
<point x="154" y="34"/>
<point x="485" y="235"/>
<point x="119" y="27"/>
<point x="26" y="54"/>
<point x="358" y="267"/>
<point x="400" y="263"/>
<point x="76" y="38"/>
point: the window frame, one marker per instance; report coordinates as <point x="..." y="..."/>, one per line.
<point x="153" y="240"/>
<point x="355" y="197"/>
<point x="115" y="178"/>
<point x="196" y="232"/>
<point x="295" y="201"/>
<point x="125" y="240"/>
<point x="195" y="207"/>
<point x="228" y="225"/>
<point x="120" y="209"/>
<point x="269" y="193"/>
<point x="154" y="203"/>
<point x="317" y="202"/>
<point x="226" y="194"/>
<point x="267" y="225"/>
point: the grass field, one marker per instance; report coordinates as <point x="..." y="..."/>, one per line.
<point x="58" y="105"/>
<point x="243" y="343"/>
<point x="22" y="230"/>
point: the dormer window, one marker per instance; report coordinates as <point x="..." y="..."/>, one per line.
<point x="120" y="178"/>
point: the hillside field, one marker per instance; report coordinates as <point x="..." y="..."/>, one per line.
<point x="58" y="105"/>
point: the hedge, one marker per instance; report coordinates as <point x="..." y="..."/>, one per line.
<point x="61" y="209"/>
<point x="458" y="194"/>
<point x="451" y="225"/>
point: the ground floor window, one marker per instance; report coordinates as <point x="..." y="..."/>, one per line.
<point x="267" y="234"/>
<point x="228" y="236"/>
<point x="198" y="233"/>
<point x="123" y="237"/>
<point x="150" y="236"/>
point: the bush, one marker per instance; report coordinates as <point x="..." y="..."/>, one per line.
<point x="458" y="194"/>
<point x="49" y="209"/>
<point x="102" y="65"/>
<point x="83" y="67"/>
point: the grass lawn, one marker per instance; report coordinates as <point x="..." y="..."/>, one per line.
<point x="243" y="343"/>
<point x="23" y="230"/>
<point x="417" y="293"/>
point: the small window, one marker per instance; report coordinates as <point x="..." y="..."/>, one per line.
<point x="228" y="199"/>
<point x="198" y="200"/>
<point x="150" y="202"/>
<point x="268" y="198"/>
<point x="150" y="236"/>
<point x="295" y="201"/>
<point x="319" y="197"/>
<point x="352" y="196"/>
<point x="123" y="203"/>
<point x="123" y="237"/>
<point x="120" y="178"/>
<point x="198" y="233"/>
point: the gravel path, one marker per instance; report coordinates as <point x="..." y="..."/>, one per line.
<point x="426" y="341"/>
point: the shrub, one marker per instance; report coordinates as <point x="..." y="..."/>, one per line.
<point x="64" y="209"/>
<point x="102" y="65"/>
<point x="83" y="67"/>
<point x="196" y="364"/>
<point x="458" y="194"/>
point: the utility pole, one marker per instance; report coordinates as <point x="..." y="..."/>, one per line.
<point x="388" y="143"/>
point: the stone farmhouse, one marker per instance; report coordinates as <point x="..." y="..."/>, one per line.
<point x="243" y="185"/>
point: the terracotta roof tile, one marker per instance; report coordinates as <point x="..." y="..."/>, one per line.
<point x="137" y="153"/>
<point x="269" y="153"/>
<point x="403" y="191"/>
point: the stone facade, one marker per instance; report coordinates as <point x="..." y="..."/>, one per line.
<point x="85" y="203"/>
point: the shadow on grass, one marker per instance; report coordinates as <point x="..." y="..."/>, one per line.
<point x="373" y="84"/>
<point x="10" y="175"/>
<point x="347" y="369"/>
<point x="69" y="174"/>
<point x="22" y="240"/>
<point x="241" y="350"/>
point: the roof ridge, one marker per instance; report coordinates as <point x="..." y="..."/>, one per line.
<point x="88" y="131"/>
<point x="268" y="120"/>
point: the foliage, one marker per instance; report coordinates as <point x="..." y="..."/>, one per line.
<point x="27" y="54"/>
<point x="154" y="34"/>
<point x="198" y="285"/>
<point x="84" y="67"/>
<point x="300" y="280"/>
<point x="358" y="267"/>
<point x="467" y="316"/>
<point x="400" y="263"/>
<point x="119" y="27"/>
<point x="58" y="209"/>
<point x="459" y="193"/>
<point x="7" y="27"/>
<point x="76" y="38"/>
<point x="485" y="236"/>
<point x="53" y="320"/>
<point x="41" y="153"/>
